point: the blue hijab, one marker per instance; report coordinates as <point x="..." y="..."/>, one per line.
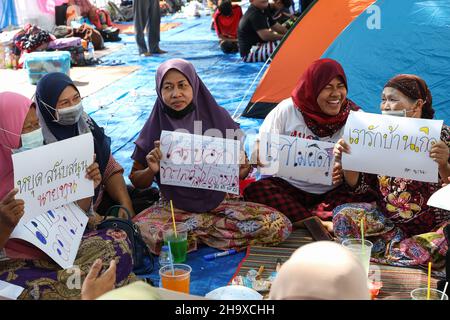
<point x="48" y="90"/>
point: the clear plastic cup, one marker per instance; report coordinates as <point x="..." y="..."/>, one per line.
<point x="421" y="294"/>
<point x="178" y="243"/>
<point x="176" y="279"/>
<point x="362" y="252"/>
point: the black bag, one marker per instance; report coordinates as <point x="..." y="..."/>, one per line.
<point x="139" y="248"/>
<point x="110" y="34"/>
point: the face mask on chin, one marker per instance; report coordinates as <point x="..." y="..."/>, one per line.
<point x="30" y="140"/>
<point x="395" y="113"/>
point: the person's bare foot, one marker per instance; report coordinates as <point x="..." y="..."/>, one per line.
<point x="145" y="54"/>
<point x="160" y="51"/>
<point x="328" y="225"/>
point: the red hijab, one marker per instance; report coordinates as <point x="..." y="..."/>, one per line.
<point x="314" y="79"/>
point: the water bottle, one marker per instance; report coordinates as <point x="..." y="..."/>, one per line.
<point x="8" y="61"/>
<point x="164" y="259"/>
<point x="91" y="51"/>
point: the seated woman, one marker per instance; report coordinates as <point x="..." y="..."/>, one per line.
<point x="22" y="264"/>
<point x="322" y="270"/>
<point x="317" y="110"/>
<point x="413" y="234"/>
<point x="100" y="18"/>
<point x="219" y="223"/>
<point x="61" y="116"/>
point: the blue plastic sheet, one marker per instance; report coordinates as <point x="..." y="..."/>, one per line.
<point x="206" y="275"/>
<point x="123" y="107"/>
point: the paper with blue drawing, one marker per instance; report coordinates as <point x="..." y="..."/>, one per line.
<point x="202" y="162"/>
<point x="391" y="146"/>
<point x="296" y="158"/>
<point x="53" y="175"/>
<point x="57" y="232"/>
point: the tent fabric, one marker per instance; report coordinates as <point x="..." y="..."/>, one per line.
<point x="316" y="29"/>
<point x="8" y="15"/>
<point x="30" y="12"/>
<point x="414" y="37"/>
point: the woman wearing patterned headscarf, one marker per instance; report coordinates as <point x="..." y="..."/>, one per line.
<point x="415" y="236"/>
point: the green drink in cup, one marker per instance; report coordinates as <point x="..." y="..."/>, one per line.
<point x="177" y="241"/>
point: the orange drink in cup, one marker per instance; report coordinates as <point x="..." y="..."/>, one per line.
<point x="176" y="279"/>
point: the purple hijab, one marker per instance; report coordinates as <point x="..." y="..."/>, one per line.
<point x="206" y="110"/>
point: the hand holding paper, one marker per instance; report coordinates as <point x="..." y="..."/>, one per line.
<point x="11" y="210"/>
<point x="154" y="157"/>
<point x="57" y="176"/>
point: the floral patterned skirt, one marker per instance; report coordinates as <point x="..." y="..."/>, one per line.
<point x="46" y="280"/>
<point x="390" y="245"/>
<point x="233" y="224"/>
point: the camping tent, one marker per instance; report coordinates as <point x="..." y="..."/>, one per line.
<point x="391" y="37"/>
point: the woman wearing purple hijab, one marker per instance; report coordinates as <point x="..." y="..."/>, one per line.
<point x="210" y="216"/>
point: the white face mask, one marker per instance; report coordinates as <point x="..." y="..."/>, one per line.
<point x="67" y="116"/>
<point x="395" y="113"/>
<point x="71" y="115"/>
<point x="31" y="140"/>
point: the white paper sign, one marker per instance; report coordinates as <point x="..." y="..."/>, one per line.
<point x="296" y="158"/>
<point x="391" y="146"/>
<point x="53" y="175"/>
<point x="201" y="162"/>
<point x="57" y="232"/>
<point x="9" y="290"/>
<point x="441" y="198"/>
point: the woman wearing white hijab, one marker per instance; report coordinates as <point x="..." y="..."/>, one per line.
<point x="321" y="270"/>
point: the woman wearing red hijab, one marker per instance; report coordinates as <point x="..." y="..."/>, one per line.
<point x="317" y="109"/>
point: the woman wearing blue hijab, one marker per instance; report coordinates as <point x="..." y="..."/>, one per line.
<point x="61" y="116"/>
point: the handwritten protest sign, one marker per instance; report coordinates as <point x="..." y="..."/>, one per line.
<point x="202" y="162"/>
<point x="296" y="158"/>
<point x="53" y="175"/>
<point x="391" y="146"/>
<point x="439" y="199"/>
<point x="57" y="232"/>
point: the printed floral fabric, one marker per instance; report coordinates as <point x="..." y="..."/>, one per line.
<point x="390" y="246"/>
<point x="233" y="224"/>
<point x="46" y="280"/>
<point x="404" y="201"/>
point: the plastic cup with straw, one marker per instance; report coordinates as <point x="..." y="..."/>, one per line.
<point x="429" y="281"/>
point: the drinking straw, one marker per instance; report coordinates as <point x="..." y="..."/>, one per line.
<point x="170" y="258"/>
<point x="173" y="220"/>
<point x="445" y="290"/>
<point x="429" y="281"/>
<point x="362" y="235"/>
